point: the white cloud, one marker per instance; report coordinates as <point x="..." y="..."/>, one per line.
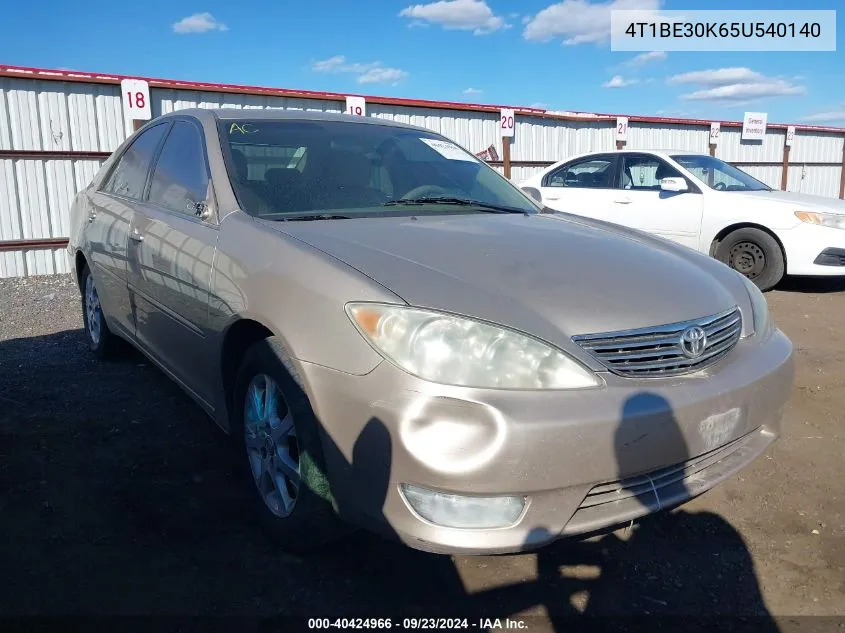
<point x="734" y="85"/>
<point x="582" y="21"/>
<point x="473" y="91"/>
<point x="199" y="23"/>
<point x="382" y="76"/>
<point x="619" y="82"/>
<point x="539" y="106"/>
<point x="746" y="92"/>
<point x="718" y="77"/>
<point x="463" y="15"/>
<point x="369" y="73"/>
<point x="338" y="64"/>
<point x="836" y="116"/>
<point x="644" y="58"/>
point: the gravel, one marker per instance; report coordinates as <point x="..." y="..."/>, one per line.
<point x="118" y="497"/>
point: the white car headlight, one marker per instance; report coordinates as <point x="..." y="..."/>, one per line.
<point x="831" y="220"/>
<point x="455" y="350"/>
<point x="763" y="324"/>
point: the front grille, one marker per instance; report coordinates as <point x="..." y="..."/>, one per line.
<point x="657" y="351"/>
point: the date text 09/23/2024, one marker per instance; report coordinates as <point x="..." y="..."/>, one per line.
<point x="422" y="624"/>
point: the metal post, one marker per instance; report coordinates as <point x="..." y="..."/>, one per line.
<point x="137" y="124"/>
<point x="506" y="155"/>
<point x="783" y="176"/>
<point x="712" y="149"/>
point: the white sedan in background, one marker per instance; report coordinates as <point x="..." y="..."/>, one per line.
<point x="703" y="203"/>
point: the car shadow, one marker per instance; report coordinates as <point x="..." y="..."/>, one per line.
<point x="813" y="285"/>
<point x="119" y="498"/>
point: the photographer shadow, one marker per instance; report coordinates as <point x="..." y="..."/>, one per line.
<point x="685" y="565"/>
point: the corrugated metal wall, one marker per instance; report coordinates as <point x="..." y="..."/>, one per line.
<point x="60" y="116"/>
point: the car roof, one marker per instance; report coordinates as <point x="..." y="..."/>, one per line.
<point x="230" y="114"/>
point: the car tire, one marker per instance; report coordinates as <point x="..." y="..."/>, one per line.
<point x="100" y="338"/>
<point x="265" y="462"/>
<point x="755" y="254"/>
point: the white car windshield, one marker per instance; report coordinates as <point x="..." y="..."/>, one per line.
<point x="719" y="175"/>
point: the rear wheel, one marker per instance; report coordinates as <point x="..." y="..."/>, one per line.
<point x="755" y="254"/>
<point x="100" y="339"/>
<point x="280" y="453"/>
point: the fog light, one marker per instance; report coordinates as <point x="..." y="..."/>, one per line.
<point x="457" y="511"/>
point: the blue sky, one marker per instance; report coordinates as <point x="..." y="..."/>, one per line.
<point x="484" y="51"/>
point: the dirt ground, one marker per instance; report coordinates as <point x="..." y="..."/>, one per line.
<point x="118" y="498"/>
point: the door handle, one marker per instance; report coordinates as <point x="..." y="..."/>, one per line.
<point x="136" y="237"/>
<point x="623" y="201"/>
<point x="552" y="197"/>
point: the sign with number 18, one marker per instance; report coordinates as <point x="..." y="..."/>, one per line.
<point x="135" y="94"/>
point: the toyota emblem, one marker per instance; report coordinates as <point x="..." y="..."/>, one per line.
<point x="693" y="341"/>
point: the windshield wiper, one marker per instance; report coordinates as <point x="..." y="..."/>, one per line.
<point x="315" y="216"/>
<point x="484" y="206"/>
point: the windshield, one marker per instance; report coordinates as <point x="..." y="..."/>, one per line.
<point x="334" y="169"/>
<point x="718" y="174"/>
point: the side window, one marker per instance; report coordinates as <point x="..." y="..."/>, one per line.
<point x="594" y="173"/>
<point x="130" y="173"/>
<point x="180" y="177"/>
<point x="644" y="173"/>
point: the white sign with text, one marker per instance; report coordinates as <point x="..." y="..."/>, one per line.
<point x="622" y="128"/>
<point x="356" y="106"/>
<point x="507" y="122"/>
<point x="135" y="94"/>
<point x="715" y="133"/>
<point x="790" y="135"/>
<point x="754" y="126"/>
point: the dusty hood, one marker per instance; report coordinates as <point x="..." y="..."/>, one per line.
<point x="548" y="276"/>
<point x="798" y="201"/>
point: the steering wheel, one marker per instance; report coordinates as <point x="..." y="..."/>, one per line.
<point x="424" y="191"/>
<point x="720" y="186"/>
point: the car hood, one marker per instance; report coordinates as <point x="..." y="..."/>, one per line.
<point x="798" y="201"/>
<point x="552" y="277"/>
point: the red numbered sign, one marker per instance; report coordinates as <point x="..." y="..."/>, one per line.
<point x="621" y="128"/>
<point x="506" y="122"/>
<point x="715" y="133"/>
<point x="356" y="106"/>
<point x="135" y="95"/>
<point x="790" y="135"/>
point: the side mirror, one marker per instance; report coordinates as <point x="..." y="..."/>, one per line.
<point x="673" y="184"/>
<point x="534" y="193"/>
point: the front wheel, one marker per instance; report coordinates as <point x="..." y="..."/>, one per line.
<point x="280" y="452"/>
<point x="755" y="254"/>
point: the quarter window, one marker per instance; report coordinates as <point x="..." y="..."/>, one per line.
<point x="180" y="178"/>
<point x="593" y="173"/>
<point x="130" y="174"/>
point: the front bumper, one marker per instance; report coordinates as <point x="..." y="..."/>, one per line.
<point x="585" y="459"/>
<point x="805" y="245"/>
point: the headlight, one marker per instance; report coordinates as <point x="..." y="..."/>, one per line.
<point x="832" y="220"/>
<point x="456" y="350"/>
<point x="763" y="324"/>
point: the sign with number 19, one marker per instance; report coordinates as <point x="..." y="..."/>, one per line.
<point x="356" y="106"/>
<point x="135" y="94"/>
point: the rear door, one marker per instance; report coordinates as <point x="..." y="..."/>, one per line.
<point x="639" y="202"/>
<point x="582" y="187"/>
<point x="110" y="214"/>
<point x="173" y="237"/>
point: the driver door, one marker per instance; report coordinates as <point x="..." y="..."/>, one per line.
<point x="638" y="201"/>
